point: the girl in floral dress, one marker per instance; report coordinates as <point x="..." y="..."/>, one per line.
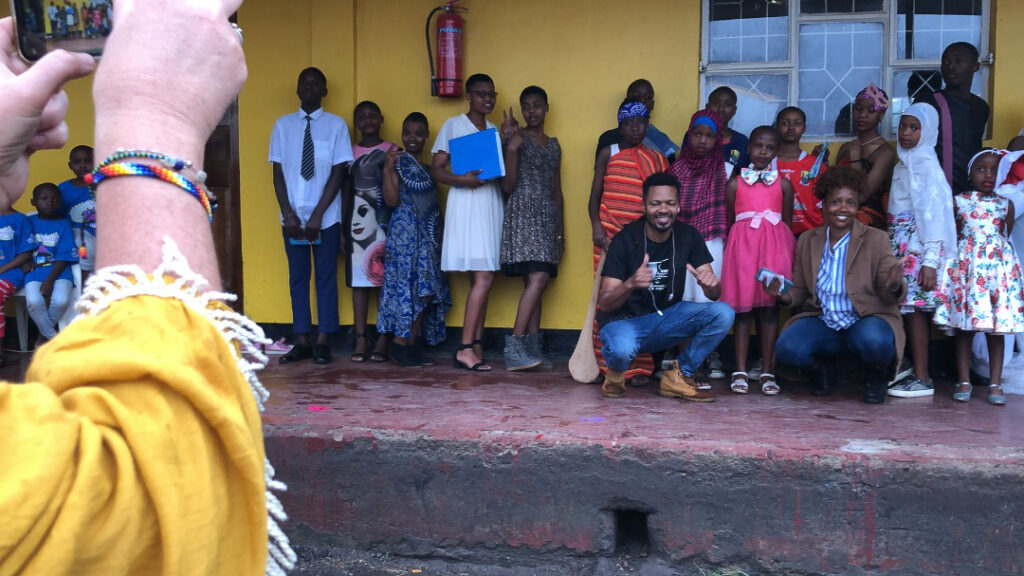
<point x="922" y="230"/>
<point x="981" y="289"/>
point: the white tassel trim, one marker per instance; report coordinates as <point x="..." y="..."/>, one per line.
<point x="116" y="283"/>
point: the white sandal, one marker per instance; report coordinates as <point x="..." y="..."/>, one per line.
<point x="768" y="385"/>
<point x="739" y="383"/>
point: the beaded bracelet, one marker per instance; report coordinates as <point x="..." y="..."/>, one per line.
<point x="176" y="164"/>
<point x="113" y="169"/>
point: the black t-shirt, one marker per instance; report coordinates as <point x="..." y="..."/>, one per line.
<point x="626" y="253"/>
<point x="969" y="117"/>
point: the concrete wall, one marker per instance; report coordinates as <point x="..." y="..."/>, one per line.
<point x="583" y="54"/>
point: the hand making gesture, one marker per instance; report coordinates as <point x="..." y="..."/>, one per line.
<point x="643" y="277"/>
<point x="509" y="124"/>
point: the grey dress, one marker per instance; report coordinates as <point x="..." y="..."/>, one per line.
<point x="529" y="233"/>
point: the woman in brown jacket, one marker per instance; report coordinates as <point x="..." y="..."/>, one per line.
<point x="847" y="286"/>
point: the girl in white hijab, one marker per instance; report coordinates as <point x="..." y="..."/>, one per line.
<point x="922" y="229"/>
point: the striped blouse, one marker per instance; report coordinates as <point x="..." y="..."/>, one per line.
<point x="836" y="307"/>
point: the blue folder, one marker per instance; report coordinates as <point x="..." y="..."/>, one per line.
<point x="478" y="151"/>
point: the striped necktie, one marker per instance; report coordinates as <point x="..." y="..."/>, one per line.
<point x="307" y="153"/>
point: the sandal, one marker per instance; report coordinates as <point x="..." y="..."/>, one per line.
<point x="480" y="366"/>
<point x="963" y="392"/>
<point x="358" y="356"/>
<point x="996" y="399"/>
<point x="768" y="385"/>
<point x="739" y="383"/>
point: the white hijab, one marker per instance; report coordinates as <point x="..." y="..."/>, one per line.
<point x="930" y="193"/>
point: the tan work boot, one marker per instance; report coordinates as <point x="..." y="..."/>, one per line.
<point x="614" y="384"/>
<point x="675" y="385"/>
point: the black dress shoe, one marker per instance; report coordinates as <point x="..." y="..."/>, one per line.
<point x="878" y="383"/>
<point x="322" y="354"/>
<point x="821" y="378"/>
<point x="298" y="352"/>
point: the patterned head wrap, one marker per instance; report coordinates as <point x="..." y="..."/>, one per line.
<point x="877" y="95"/>
<point x="632" y="110"/>
<point x="706" y="121"/>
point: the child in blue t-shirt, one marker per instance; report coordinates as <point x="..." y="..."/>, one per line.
<point x="77" y="204"/>
<point x="52" y="259"/>
<point x="16" y="246"/>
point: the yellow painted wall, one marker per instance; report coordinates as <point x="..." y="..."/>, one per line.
<point x="583" y="53"/>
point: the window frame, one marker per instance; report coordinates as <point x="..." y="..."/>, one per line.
<point x="888" y="17"/>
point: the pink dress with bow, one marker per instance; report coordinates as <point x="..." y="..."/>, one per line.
<point x="758" y="239"/>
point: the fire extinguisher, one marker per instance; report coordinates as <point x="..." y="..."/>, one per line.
<point x="446" y="81"/>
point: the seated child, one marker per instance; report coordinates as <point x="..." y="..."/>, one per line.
<point x="78" y="205"/>
<point x="16" y="246"/>
<point x="50" y="277"/>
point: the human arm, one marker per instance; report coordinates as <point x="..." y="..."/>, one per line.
<point x="615" y="292"/>
<point x="1010" y="216"/>
<point x="706" y="279"/>
<point x="58" y="267"/>
<point x="730" y="202"/>
<point x="559" y="202"/>
<point x="787" y="202"/>
<point x="289" y="219"/>
<point x="440" y="173"/>
<point x="799" y="291"/>
<point x="600" y="237"/>
<point x="339" y="173"/>
<point x="508" y="183"/>
<point x="889" y="284"/>
<point x="16" y="262"/>
<point x="389" y="181"/>
<point x="884" y="158"/>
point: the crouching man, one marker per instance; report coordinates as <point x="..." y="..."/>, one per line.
<point x="641" y="306"/>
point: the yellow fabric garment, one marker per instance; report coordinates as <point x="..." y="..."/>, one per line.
<point x="135" y="449"/>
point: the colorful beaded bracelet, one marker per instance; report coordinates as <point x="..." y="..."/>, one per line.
<point x="111" y="170"/>
<point x="176" y="164"/>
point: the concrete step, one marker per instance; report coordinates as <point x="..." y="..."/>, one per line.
<point x="532" y="470"/>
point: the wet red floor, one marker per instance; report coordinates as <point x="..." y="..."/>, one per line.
<point x="347" y="400"/>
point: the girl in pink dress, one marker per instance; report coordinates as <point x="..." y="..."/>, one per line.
<point x="760" y="210"/>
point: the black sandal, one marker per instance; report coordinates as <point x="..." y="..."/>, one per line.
<point x="480" y="366"/>
<point x="358" y="356"/>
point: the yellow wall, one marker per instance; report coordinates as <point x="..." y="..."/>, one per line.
<point x="583" y="53"/>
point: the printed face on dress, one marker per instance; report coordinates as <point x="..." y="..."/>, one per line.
<point x="643" y="92"/>
<point x="661" y="207"/>
<point x="723" y="103"/>
<point x="311" y="89"/>
<point x="364" y="220"/>
<point x="47" y="200"/>
<point x="865" y="117"/>
<point x="791" y="126"/>
<point x="481" y="96"/>
<point x="534" y="110"/>
<point x="958" y="66"/>
<point x="762" y="148"/>
<point x="368" y="120"/>
<point x="80" y="162"/>
<point x="414" y="136"/>
<point x="633" y="131"/>
<point x="701" y="139"/>
<point x="1016" y="144"/>
<point x="984" y="171"/>
<point x="909" y="132"/>
<point x="840" y="210"/>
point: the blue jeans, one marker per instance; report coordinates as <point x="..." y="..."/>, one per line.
<point x="325" y="257"/>
<point x="705" y="323"/>
<point x="871" y="338"/>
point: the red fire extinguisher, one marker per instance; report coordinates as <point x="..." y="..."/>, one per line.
<point x="446" y="81"/>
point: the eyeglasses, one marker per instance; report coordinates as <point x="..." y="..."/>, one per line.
<point x="484" y="94"/>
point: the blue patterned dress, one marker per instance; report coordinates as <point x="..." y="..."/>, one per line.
<point x="413" y="281"/>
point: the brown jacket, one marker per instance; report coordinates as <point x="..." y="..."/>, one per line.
<point x="869" y="260"/>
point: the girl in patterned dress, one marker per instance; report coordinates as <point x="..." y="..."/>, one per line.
<point x="922" y="231"/>
<point x="981" y="289"/>
<point x="415" y="297"/>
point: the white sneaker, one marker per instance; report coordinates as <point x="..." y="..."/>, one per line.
<point x="906" y="371"/>
<point x="755" y="370"/>
<point x="912" y="388"/>
<point x="715" y="368"/>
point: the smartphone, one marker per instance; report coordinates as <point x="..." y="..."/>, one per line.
<point x="765" y="274"/>
<point x="72" y="25"/>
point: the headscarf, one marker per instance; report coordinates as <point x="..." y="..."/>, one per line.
<point x="702" y="182"/>
<point x="930" y="193"/>
<point x="632" y="109"/>
<point x="878" y="97"/>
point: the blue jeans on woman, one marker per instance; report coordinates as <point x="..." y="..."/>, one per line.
<point x="706" y="324"/>
<point x="870" y="337"/>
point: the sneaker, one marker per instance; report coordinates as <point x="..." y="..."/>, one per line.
<point x="912" y="388"/>
<point x="714" y="365"/>
<point x="279" y="347"/>
<point x="906" y="371"/>
<point x="755" y="370"/>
